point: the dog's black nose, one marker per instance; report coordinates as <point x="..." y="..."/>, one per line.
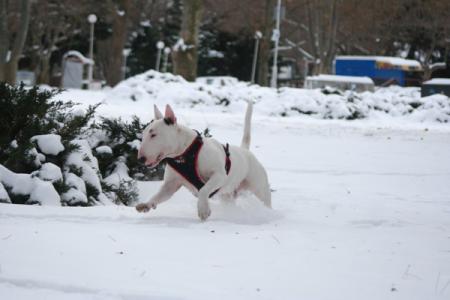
<point x="141" y="159"/>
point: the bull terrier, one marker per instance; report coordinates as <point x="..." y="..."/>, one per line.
<point x="202" y="165"/>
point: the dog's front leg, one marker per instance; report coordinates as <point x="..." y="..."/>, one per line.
<point x="215" y="182"/>
<point x="166" y="191"/>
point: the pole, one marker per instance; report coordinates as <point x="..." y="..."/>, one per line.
<point x="91" y="19"/>
<point x="91" y="56"/>
<point x="159" y="46"/>
<point x="166" y="58"/>
<point x="125" y="53"/>
<point x="276" y="36"/>
<point x="164" y="69"/>
<point x="258" y="35"/>
<point x="158" y="59"/>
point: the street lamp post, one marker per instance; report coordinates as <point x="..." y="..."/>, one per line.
<point x="258" y="36"/>
<point x="160" y="46"/>
<point x="125" y="53"/>
<point x="166" y="58"/>
<point x="276" y="38"/>
<point x="91" y="19"/>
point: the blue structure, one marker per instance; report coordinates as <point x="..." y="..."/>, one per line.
<point x="381" y="69"/>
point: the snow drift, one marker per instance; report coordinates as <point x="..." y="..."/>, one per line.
<point x="391" y="102"/>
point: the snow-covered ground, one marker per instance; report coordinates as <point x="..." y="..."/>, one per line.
<point x="361" y="211"/>
<point x="385" y="104"/>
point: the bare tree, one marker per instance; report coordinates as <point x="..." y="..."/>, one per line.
<point x="110" y="50"/>
<point x="265" y="44"/>
<point x="8" y="67"/>
<point x="4" y="39"/>
<point x="422" y="29"/>
<point x="322" y="28"/>
<point x="185" y="56"/>
<point x="246" y="17"/>
<point x="53" y="25"/>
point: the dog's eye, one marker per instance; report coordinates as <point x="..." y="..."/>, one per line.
<point x="152" y="135"/>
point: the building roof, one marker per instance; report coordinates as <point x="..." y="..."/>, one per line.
<point x="395" y="61"/>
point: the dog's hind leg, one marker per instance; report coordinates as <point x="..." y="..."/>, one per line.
<point x="257" y="182"/>
<point x="261" y="189"/>
<point x="264" y="195"/>
<point x="228" y="198"/>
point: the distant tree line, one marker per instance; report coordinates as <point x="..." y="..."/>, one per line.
<point x="213" y="37"/>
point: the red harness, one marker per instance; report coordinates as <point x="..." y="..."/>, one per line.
<point x="186" y="163"/>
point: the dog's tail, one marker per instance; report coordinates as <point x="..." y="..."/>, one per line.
<point x="247" y="126"/>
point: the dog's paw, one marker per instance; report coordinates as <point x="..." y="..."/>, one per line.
<point x="144" y="207"/>
<point x="203" y="210"/>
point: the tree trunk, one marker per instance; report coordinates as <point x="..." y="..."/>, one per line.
<point x="43" y="70"/>
<point x="110" y="51"/>
<point x="313" y="35"/>
<point x="264" y="50"/>
<point x="331" y="48"/>
<point x="4" y="41"/>
<point x="185" y="58"/>
<point x="426" y="64"/>
<point x="11" y="65"/>
<point x="322" y="14"/>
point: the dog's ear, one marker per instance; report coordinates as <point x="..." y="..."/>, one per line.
<point x="170" y="115"/>
<point x="158" y="114"/>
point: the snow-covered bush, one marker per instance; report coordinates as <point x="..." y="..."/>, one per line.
<point x="328" y="103"/>
<point x="28" y="189"/>
<point x="47" y="156"/>
<point x="116" y="144"/>
<point x="122" y="140"/>
<point x="4" y="197"/>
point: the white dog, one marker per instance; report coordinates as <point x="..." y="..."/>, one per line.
<point x="202" y="165"/>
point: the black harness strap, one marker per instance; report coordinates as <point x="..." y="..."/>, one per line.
<point x="186" y="163"/>
<point x="227" y="158"/>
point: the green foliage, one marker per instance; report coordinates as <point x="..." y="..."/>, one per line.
<point x="120" y="137"/>
<point x="171" y="28"/>
<point x="73" y="124"/>
<point x="75" y="170"/>
<point x="119" y="131"/>
<point x="143" y="46"/>
<point x="143" y="51"/>
<point x="16" y="198"/>
<point x="23" y="112"/>
<point x="61" y="187"/>
<point x="31" y="112"/>
<point x="236" y="48"/>
<point x="126" y="193"/>
<point x="22" y="115"/>
<point x="92" y="193"/>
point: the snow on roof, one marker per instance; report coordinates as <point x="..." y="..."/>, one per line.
<point x="395" y="61"/>
<point x="353" y="79"/>
<point x="80" y="56"/>
<point x="439" y="81"/>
